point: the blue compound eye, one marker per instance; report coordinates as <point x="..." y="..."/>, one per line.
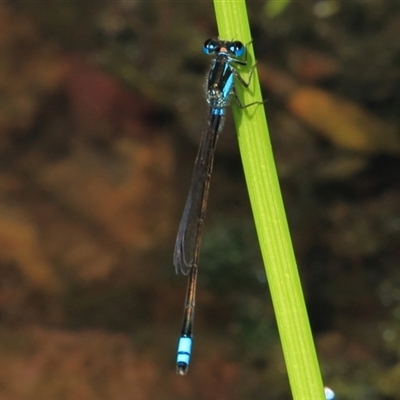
<point x="210" y="46"/>
<point x="236" y="48"/>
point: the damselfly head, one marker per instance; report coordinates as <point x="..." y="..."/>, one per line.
<point x="234" y="48"/>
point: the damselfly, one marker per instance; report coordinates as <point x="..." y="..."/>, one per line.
<point x="219" y="88"/>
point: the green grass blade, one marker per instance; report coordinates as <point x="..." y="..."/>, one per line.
<point x="270" y="219"/>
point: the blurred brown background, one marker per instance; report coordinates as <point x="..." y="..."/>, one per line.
<point x="101" y="109"/>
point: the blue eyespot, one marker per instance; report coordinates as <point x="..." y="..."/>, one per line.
<point x="236" y="48"/>
<point x="210" y="46"/>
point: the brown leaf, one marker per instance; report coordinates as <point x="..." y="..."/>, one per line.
<point x="343" y="122"/>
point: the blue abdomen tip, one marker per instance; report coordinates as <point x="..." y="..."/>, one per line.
<point x="183" y="355"/>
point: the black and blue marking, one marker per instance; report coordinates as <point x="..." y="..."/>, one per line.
<point x="220" y="86"/>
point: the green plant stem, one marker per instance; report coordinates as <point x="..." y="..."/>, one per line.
<point x="270" y="219"/>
